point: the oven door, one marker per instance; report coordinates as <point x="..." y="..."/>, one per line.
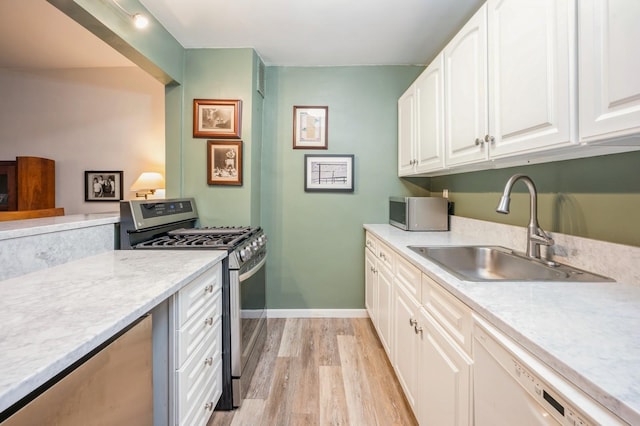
<point x="248" y="324"/>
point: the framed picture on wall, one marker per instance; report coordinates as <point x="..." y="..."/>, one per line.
<point x="102" y="185"/>
<point x="328" y="173"/>
<point x="310" y="126"/>
<point x="216" y="118"/>
<point x="224" y="162"/>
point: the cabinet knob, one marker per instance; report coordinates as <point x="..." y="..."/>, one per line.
<point x="490" y="139"/>
<point x="417" y="329"/>
<point x="413" y="322"/>
<point x="209" y="288"/>
<point x="208" y="361"/>
<point x="208" y="406"/>
<point x="478" y="141"/>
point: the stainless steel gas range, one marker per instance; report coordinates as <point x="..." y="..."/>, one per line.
<point x="171" y="225"/>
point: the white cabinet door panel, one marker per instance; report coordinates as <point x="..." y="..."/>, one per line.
<point x="385" y="304"/>
<point x="465" y="64"/>
<point x="429" y="117"/>
<point x="406" y="132"/>
<point x="609" y="68"/>
<point x="531" y="56"/>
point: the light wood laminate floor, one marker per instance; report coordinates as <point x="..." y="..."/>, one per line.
<point x="321" y="371"/>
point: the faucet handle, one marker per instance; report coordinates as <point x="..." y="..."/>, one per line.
<point x="542" y="238"/>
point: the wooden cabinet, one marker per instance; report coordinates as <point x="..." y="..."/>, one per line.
<point x="421" y="134"/>
<point x="197" y="349"/>
<point x="609" y="67"/>
<point x="28" y="183"/>
<point x="465" y="65"/>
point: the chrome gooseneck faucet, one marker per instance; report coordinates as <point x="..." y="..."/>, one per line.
<point x="535" y="235"/>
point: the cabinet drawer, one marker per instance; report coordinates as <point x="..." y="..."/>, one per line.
<point x="371" y="242"/>
<point x="198" y="327"/>
<point x="196" y="373"/>
<point x="386" y="256"/>
<point x="453" y="315"/>
<point x="205" y="399"/>
<point x="409" y="276"/>
<point x="195" y="295"/>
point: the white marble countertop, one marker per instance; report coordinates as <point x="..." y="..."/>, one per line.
<point x="54" y="317"/>
<point x="28" y="227"/>
<point x="587" y="332"/>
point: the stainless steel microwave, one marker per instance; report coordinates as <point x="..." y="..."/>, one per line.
<point x="419" y="213"/>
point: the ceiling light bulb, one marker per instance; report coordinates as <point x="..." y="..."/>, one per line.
<point x="140" y="21"/>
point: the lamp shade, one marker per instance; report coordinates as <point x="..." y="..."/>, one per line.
<point x="148" y="181"/>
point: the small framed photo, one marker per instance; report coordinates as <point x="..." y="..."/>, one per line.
<point x="328" y="173"/>
<point x="224" y="162"/>
<point x="102" y="185"/>
<point x="310" y="127"/>
<point x="216" y="118"/>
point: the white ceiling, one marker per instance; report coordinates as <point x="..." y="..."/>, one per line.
<point x="36" y="35"/>
<point x="318" y="32"/>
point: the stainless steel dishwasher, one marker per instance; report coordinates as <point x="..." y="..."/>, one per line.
<point x="112" y="387"/>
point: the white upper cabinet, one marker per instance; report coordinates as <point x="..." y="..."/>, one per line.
<point x="406" y="132"/>
<point x="429" y="89"/>
<point x="532" y="57"/>
<point x="421" y="125"/>
<point x="465" y="65"/>
<point x="609" y="69"/>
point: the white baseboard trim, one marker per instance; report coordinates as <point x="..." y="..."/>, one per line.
<point x="317" y="313"/>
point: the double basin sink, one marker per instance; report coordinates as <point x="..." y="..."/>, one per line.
<point x="494" y="263"/>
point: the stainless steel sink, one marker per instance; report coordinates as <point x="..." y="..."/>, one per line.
<point x="494" y="263"/>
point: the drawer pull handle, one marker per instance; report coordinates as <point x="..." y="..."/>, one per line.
<point x="209" y="288"/>
<point x="417" y="329"/>
<point x="413" y="322"/>
<point x="208" y="406"/>
<point x="208" y="361"/>
<point x="208" y="321"/>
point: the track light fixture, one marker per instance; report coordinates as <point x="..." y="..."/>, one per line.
<point x="140" y="21"/>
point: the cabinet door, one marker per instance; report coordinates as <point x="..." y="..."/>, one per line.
<point x="444" y="396"/>
<point x="406" y="132"/>
<point x="465" y="65"/>
<point x="531" y="75"/>
<point x="429" y="90"/>
<point x="405" y="342"/>
<point x="609" y="68"/>
<point x="370" y="287"/>
<point x="385" y="300"/>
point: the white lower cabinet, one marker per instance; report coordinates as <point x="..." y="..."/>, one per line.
<point x="379" y="270"/>
<point x="444" y="377"/>
<point x="196" y="324"/>
<point x="406" y="342"/>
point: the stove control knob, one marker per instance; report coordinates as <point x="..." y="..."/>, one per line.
<point x="245" y="254"/>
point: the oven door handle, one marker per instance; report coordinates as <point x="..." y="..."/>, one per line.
<point x="251" y="272"/>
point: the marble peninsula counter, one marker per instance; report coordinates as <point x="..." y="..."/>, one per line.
<point x="35" y="244"/>
<point x="52" y="318"/>
<point x="587" y="332"/>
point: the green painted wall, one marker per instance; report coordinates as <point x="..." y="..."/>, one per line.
<point x="316" y="239"/>
<point x="597" y="197"/>
<point x="220" y="74"/>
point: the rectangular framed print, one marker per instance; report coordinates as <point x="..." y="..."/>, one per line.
<point x="310" y="126"/>
<point x="217" y="118"/>
<point x="224" y="162"/>
<point x="328" y="173"/>
<point x="102" y="185"/>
